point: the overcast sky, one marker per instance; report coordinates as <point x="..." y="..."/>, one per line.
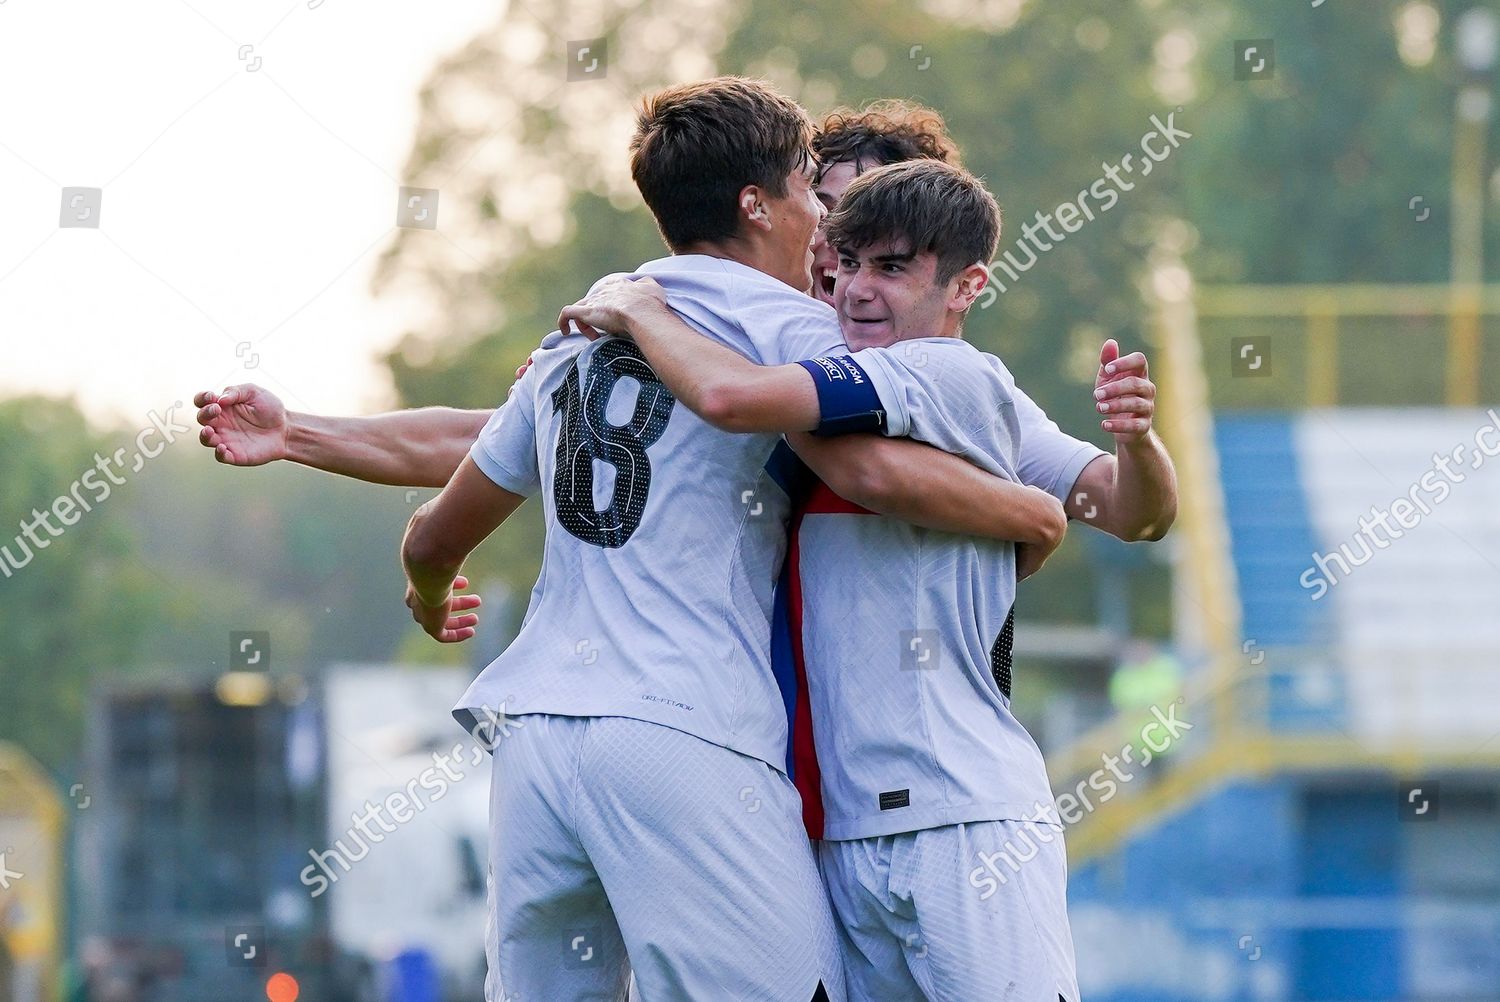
<point x="237" y="204"/>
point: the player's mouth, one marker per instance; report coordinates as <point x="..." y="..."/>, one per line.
<point x="823" y="282"/>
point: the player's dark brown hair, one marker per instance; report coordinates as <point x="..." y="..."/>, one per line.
<point x="926" y="204"/>
<point x="884" y="132"/>
<point x="696" y="146"/>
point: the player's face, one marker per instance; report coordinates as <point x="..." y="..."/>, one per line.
<point x="885" y="294"/>
<point x="830" y="188"/>
<point x="795" y="218"/>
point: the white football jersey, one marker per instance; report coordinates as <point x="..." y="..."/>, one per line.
<point x="664" y="535"/>
<point x="905" y="632"/>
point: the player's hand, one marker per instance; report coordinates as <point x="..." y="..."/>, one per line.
<point x="1124" y="394"/>
<point x="612" y="305"/>
<point x="1031" y="556"/>
<point x="520" y="371"/>
<point x="439" y="621"/>
<point x="245" y="425"/>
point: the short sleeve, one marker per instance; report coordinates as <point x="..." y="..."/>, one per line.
<point x="948" y="394"/>
<point x="506" y="449"/>
<point x="1050" y="458"/>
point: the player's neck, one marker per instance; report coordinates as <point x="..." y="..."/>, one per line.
<point x="758" y="256"/>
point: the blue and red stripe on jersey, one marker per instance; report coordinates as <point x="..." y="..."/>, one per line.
<point x="788" y="660"/>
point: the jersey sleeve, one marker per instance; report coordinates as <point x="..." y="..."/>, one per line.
<point x="506" y="450"/>
<point x="1050" y="458"/>
<point x="946" y="393"/>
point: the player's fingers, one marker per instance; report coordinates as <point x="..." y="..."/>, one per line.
<point x="461" y="581"/>
<point x="612" y="280"/>
<point x="223" y="455"/>
<point x="462" y="602"/>
<point x="649" y="287"/>
<point x="459" y="622"/>
<point x="203" y="398"/>
<point x="1124" y="386"/>
<point x="1108" y="352"/>
<point x="1127" y="405"/>
<point x="1126" y="425"/>
<point x="453" y="636"/>
<point x="208" y="412"/>
<point x="1135" y="362"/>
<point x="572" y="318"/>
<point x="234" y="395"/>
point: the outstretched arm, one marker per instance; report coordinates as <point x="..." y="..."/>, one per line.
<point x="247" y="425"/>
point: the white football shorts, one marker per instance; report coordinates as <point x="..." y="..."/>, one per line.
<point x="954" y="914"/>
<point x="619" y="845"/>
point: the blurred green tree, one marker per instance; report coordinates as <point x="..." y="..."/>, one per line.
<point x="80" y="605"/>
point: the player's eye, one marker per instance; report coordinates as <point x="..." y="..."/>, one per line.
<point x="848" y="264"/>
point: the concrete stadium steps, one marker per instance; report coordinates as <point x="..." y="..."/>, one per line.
<point x="1417" y="617"/>
<point x="1392" y="610"/>
<point x="1270" y="530"/>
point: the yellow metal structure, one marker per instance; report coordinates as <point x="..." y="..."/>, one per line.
<point x="32" y="823"/>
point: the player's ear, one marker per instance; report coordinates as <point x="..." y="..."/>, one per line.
<point x="753" y="207"/>
<point x="969" y="283"/>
